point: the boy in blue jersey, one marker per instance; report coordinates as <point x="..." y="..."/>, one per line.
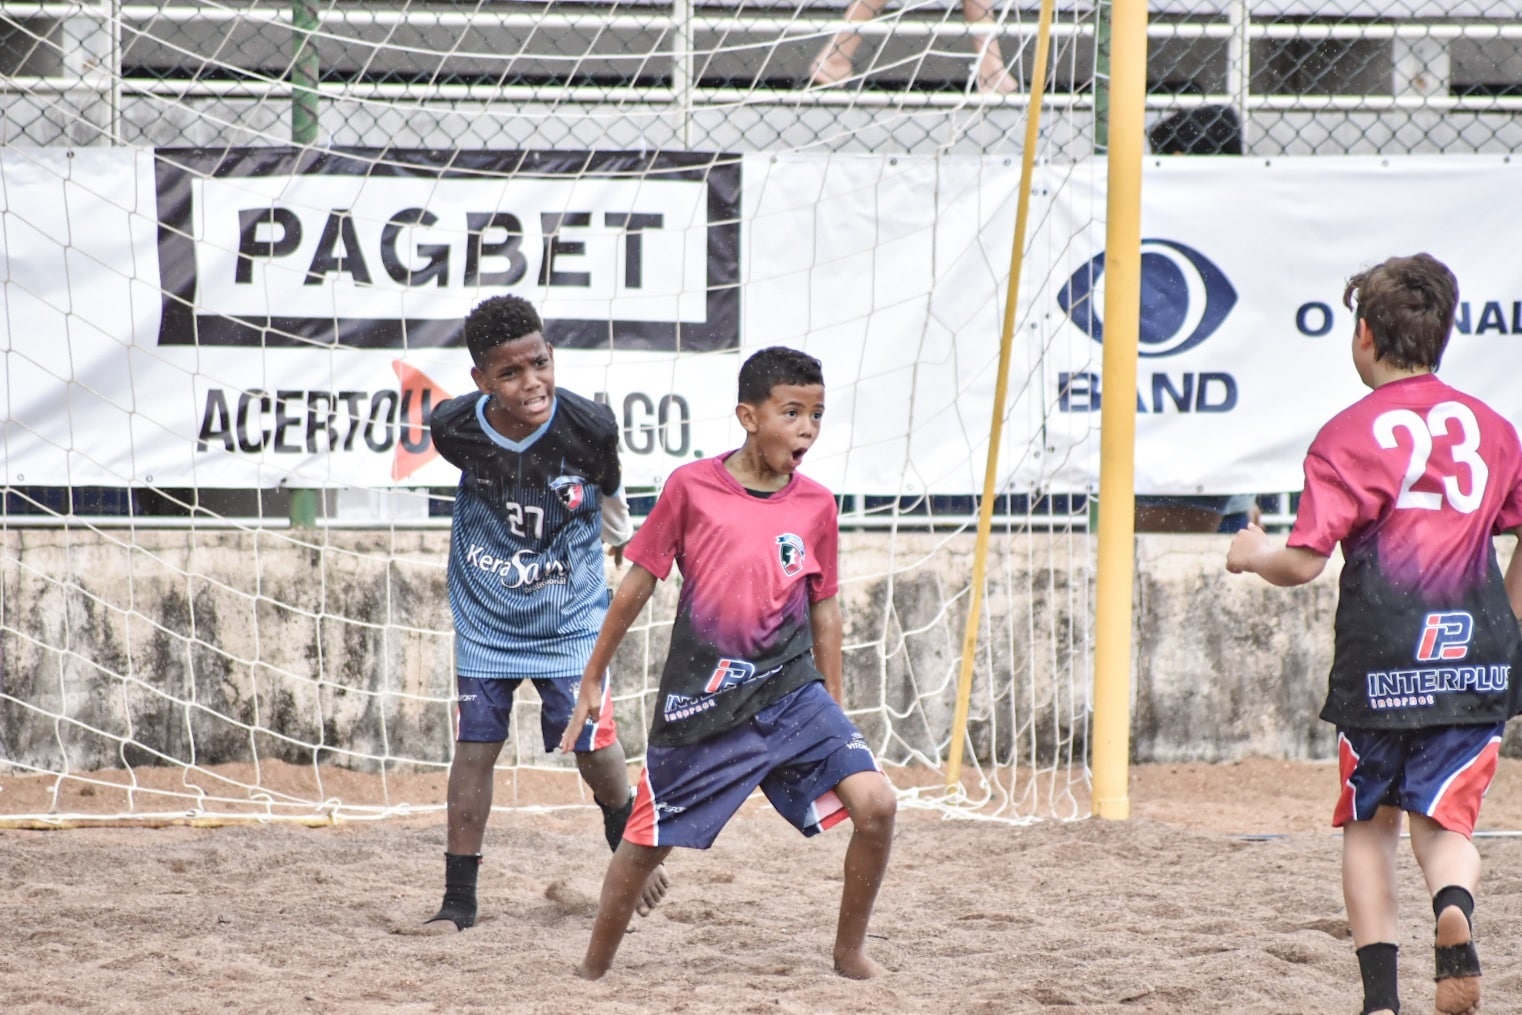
<point x="751" y="690"/>
<point x="540" y="491"/>
<point x="1415" y="481"/>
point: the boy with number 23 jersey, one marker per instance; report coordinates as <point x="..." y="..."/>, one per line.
<point x="1415" y="481"/>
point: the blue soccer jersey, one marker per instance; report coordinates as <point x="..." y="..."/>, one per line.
<point x="526" y="583"/>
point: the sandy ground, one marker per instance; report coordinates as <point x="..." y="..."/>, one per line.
<point x="1220" y="894"/>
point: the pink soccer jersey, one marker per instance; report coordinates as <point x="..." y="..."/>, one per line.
<point x="1415" y="480"/>
<point x="751" y="567"/>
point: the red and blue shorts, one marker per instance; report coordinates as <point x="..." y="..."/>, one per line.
<point x="484" y="709"/>
<point x="1442" y="772"/>
<point x="797" y="750"/>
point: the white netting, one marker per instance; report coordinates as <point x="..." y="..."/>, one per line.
<point x="223" y="557"/>
<point x="223" y="590"/>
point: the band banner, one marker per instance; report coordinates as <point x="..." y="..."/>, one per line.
<point x="259" y="317"/>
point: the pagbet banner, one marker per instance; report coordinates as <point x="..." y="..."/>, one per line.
<point x="247" y="318"/>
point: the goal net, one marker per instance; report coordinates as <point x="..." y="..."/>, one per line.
<point x="238" y="240"/>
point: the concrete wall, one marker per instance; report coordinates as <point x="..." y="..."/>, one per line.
<point x="120" y="646"/>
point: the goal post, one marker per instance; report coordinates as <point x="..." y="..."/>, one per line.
<point x="222" y="582"/>
<point x="1117" y="555"/>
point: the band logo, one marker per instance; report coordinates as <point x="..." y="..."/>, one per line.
<point x="390" y="249"/>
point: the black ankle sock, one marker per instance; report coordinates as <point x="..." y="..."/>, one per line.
<point x="1376" y="964"/>
<point x="460" y="872"/>
<point x="1454" y="895"/>
<point x="1455" y="960"/>
<point x="614" y="819"/>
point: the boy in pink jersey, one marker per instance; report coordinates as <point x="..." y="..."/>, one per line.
<point x="750" y="694"/>
<point x="1415" y="480"/>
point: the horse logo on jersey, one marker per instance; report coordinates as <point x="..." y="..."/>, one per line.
<point x="571" y="490"/>
<point x="790" y="553"/>
<point x="1445" y="637"/>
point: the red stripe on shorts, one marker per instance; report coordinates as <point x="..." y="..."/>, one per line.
<point x="1457" y="806"/>
<point x="1347" y="764"/>
<point x="606" y="731"/>
<point x="830" y="810"/>
<point x="641" y="828"/>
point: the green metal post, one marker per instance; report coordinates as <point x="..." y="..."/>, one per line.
<point x="304" y="69"/>
<point x="1103" y="12"/>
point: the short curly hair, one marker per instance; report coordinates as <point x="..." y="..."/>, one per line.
<point x="776" y="365"/>
<point x="499" y="319"/>
<point x="1409" y="304"/>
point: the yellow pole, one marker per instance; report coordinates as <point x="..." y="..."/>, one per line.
<point x="1117" y="419"/>
<point x="1001" y="392"/>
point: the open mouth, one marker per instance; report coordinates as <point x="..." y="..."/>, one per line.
<point x="798" y="455"/>
<point x="537" y="404"/>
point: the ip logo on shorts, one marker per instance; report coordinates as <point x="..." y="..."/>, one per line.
<point x="1445" y="637"/>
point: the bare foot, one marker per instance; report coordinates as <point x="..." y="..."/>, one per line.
<point x="993" y="77"/>
<point x="587" y="973"/>
<point x="856" y="966"/>
<point x="833" y="64"/>
<point x="1457" y="995"/>
<point x="654" y="891"/>
<point x="437" y="927"/>
<point x="998" y="82"/>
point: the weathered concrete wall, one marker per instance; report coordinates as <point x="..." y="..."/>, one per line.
<point x="122" y="646"/>
<point x="1228" y="666"/>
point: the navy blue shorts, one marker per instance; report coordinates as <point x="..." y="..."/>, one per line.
<point x="1442" y="772"/>
<point x="484" y="707"/>
<point x="797" y="750"/>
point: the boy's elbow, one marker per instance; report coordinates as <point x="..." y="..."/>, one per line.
<point x="1304" y="568"/>
<point x="636" y="586"/>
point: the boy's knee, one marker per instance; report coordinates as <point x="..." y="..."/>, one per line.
<point x="875" y="810"/>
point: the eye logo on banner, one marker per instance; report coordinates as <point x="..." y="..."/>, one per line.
<point x="1184" y="298"/>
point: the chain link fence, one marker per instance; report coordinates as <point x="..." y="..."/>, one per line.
<point x="1266" y="77"/>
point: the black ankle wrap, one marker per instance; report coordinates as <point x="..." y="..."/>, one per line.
<point x="1376" y="964"/>
<point x="460" y="872"/>
<point x="614" y="819"/>
<point x="1454" y="895"/>
<point x="1454" y="961"/>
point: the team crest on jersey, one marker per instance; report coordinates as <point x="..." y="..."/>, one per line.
<point x="790" y="553"/>
<point x="1445" y="637"/>
<point x="571" y="490"/>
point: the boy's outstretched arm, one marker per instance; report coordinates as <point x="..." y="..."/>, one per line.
<point x="1278" y="565"/>
<point x="632" y="595"/>
<point x="617" y="528"/>
<point x="1514" y="575"/>
<point x="829" y="635"/>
